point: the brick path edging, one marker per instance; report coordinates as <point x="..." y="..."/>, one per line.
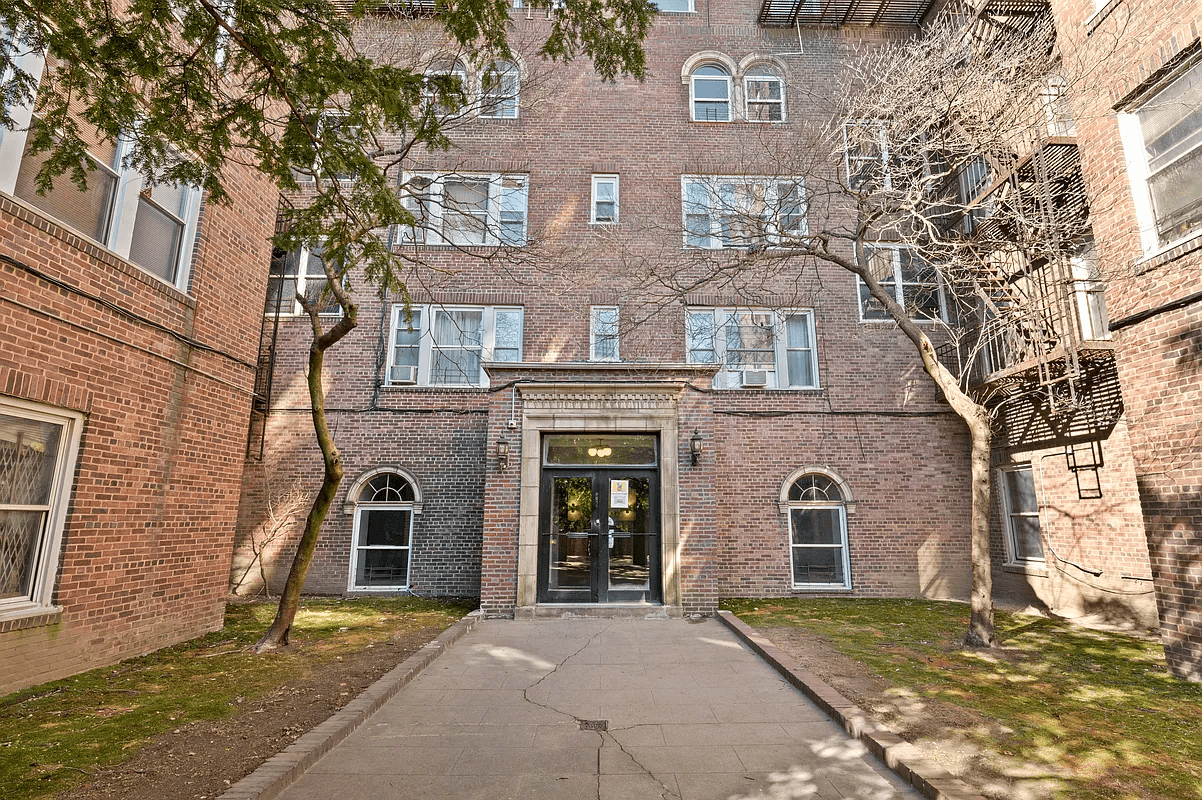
<point x="931" y="780"/>
<point x="278" y="772"/>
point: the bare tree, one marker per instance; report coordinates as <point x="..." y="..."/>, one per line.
<point x="939" y="169"/>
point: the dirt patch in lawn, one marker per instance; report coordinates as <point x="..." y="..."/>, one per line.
<point x="202" y="759"/>
<point x="948" y="735"/>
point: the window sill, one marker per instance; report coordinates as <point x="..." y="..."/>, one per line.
<point x="456" y="388"/>
<point x="1037" y="569"/>
<point x="29" y="616"/>
<point x="843" y="590"/>
<point x="1169" y="253"/>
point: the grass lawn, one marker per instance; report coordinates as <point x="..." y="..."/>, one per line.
<point x="1098" y="708"/>
<point x="53" y="735"/>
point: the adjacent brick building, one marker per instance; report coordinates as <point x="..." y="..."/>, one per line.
<point x="587" y="408"/>
<point x="1141" y="144"/>
<point x="127" y="355"/>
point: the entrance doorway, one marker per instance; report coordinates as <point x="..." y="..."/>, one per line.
<point x="599" y="529"/>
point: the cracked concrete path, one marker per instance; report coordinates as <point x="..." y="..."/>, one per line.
<point x="688" y="714"/>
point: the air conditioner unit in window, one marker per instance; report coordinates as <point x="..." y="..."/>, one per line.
<point x="755" y="377"/>
<point x="402" y="375"/>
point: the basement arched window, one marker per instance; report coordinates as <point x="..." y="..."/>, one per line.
<point x="817" y="505"/>
<point x="384" y="504"/>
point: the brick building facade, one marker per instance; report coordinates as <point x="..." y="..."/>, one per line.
<point x="126" y="374"/>
<point x="1145" y="63"/>
<point x="819" y="462"/>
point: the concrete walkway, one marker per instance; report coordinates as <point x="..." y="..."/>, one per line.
<point x="511" y="711"/>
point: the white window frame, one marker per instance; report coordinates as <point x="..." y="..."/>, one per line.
<point x="1008" y="514"/>
<point x="690" y="9"/>
<point x="880" y="159"/>
<point x="1138" y="170"/>
<point x="130" y="185"/>
<point x="789" y="506"/>
<point x="497" y="103"/>
<point x="712" y="187"/>
<point x="434" y="210"/>
<point x="41" y="594"/>
<point x="731" y="376"/>
<point x="899" y="288"/>
<point x="430" y="100"/>
<point x="750" y="76"/>
<point x="600" y="180"/>
<point x="358" y="508"/>
<point x="730" y="89"/>
<point x="424" y="318"/>
<point x="601" y="328"/>
<point x="303" y="279"/>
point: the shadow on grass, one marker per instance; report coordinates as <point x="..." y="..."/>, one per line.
<point x="1054" y="711"/>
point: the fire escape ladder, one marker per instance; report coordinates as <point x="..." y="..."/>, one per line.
<point x="268" y="338"/>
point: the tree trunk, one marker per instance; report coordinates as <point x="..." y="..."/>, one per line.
<point x="277" y="635"/>
<point x="980" y="624"/>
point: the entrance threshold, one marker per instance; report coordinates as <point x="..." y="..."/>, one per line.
<point x="598" y="611"/>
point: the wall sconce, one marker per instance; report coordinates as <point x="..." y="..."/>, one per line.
<point x="695" y="445"/>
<point x="502" y="453"/>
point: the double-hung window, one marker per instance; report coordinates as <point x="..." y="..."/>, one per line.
<point x="444" y="89"/>
<point x="710" y="89"/>
<point x="500" y="85"/>
<point x="605" y="199"/>
<point x="818" y="533"/>
<point x="1163" y="139"/>
<point x="674" y="6"/>
<point x="299" y="272"/>
<point x="468" y="209"/>
<point x="912" y="282"/>
<point x="383" y="533"/>
<point x="38" y="447"/>
<point x="1020" y="508"/>
<point x="603" y="333"/>
<point x="765" y="95"/>
<point x="866" y="154"/>
<point x="153" y="226"/>
<point x="741" y="212"/>
<point x="447" y="345"/>
<point x="757" y="348"/>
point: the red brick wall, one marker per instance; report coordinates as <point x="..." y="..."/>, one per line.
<point x="1118" y="48"/>
<point x="146" y="545"/>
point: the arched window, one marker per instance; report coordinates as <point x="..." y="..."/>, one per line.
<point x="765" y="94"/>
<point x="816" y="503"/>
<point x="710" y="90"/>
<point x="384" y="505"/>
<point x="500" y="83"/>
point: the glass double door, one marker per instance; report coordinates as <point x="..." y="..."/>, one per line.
<point x="599" y="536"/>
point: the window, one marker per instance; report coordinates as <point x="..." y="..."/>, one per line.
<point x="603" y="333"/>
<point x="1089" y="294"/>
<point x="818" y="532"/>
<point x="448" y="345"/>
<point x="1020" y="509"/>
<point x="441" y="92"/>
<point x="756" y="348"/>
<point x="467" y="210"/>
<point x="151" y="226"/>
<point x="740" y="212"/>
<point x="38" y="446"/>
<point x="675" y="6"/>
<point x="383" y="533"/>
<point x="974" y="178"/>
<point x="301" y="271"/>
<point x="1168" y="129"/>
<point x="605" y="199"/>
<point x="499" y="91"/>
<point x="334" y="126"/>
<point x="710" y="90"/>
<point x="866" y="154"/>
<point x="765" y="94"/>
<point x="1056" y="109"/>
<point x="914" y="284"/>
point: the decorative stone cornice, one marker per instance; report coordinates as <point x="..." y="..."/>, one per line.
<point x="607" y="397"/>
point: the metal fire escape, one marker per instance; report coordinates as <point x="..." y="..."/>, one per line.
<point x="1036" y="352"/>
<point x="268" y="336"/>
